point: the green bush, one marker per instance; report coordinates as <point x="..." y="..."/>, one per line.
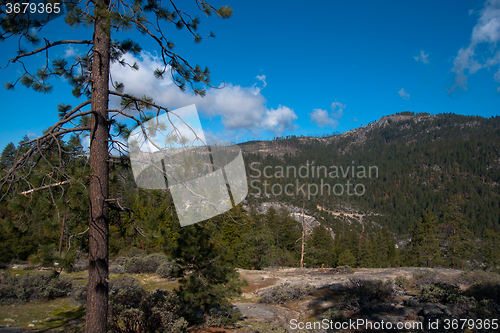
<point x="143" y="264"/>
<point x="79" y="292"/>
<point x="334" y="315"/>
<point x="44" y="286"/>
<point x="33" y="286"/>
<point x="402" y="282"/>
<point x="167" y="269"/>
<point x="81" y="264"/>
<point x="423" y="278"/>
<point x="223" y="316"/>
<point x="372" y="290"/>
<point x="439" y="293"/>
<point x="133" y="309"/>
<point x="7" y="287"/>
<point x="359" y="293"/>
<point x="285" y="293"/>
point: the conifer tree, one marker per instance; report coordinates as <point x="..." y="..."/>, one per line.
<point x="206" y="280"/>
<point x="8" y="156"/>
<point x="90" y="77"/>
<point x="459" y="237"/>
<point x="320" y="248"/>
<point x="424" y="244"/>
<point x="491" y="249"/>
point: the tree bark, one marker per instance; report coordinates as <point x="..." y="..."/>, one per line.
<point x="62" y="234"/>
<point x="97" y="299"/>
<point x="303" y="241"/>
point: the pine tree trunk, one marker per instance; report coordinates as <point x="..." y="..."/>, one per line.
<point x="97" y="299"/>
<point x="62" y="234"/>
<point x="303" y="241"/>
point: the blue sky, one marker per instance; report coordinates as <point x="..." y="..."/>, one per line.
<point x="303" y="68"/>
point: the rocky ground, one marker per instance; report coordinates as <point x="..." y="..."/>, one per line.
<point x="330" y="282"/>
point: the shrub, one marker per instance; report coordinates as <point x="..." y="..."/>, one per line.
<point x="32" y="286"/>
<point x="402" y="282"/>
<point x="7" y="287"/>
<point x="372" y="290"/>
<point x="81" y="264"/>
<point x="478" y="277"/>
<point x="423" y="278"/>
<point x="359" y="293"/>
<point x="439" y="293"/>
<point x="115" y="269"/>
<point x="79" y="292"/>
<point x="141" y="264"/>
<point x="345" y="269"/>
<point x="333" y="315"/>
<point x="45" y="286"/>
<point x="167" y="269"/>
<point x="285" y="293"/>
<point x="133" y="309"/>
<point x="223" y="316"/>
<point x="126" y="293"/>
<point x="485" y="292"/>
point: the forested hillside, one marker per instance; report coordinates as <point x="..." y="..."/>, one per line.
<point x="429" y="184"/>
<point x="423" y="162"/>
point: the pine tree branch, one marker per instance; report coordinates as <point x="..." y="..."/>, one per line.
<point x="49" y="45"/>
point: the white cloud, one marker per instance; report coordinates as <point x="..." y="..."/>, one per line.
<point x="241" y="108"/>
<point x="422" y="57"/>
<point x="404" y="95"/>
<point x="262" y="78"/>
<point x="70" y="52"/>
<point x="337" y="109"/>
<point x="322" y="118"/>
<point x="31" y="135"/>
<point x="280" y="119"/>
<point x="487" y="30"/>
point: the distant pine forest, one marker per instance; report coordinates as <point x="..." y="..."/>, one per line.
<point x="430" y="198"/>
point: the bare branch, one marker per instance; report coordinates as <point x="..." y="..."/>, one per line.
<point x="44" y="187"/>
